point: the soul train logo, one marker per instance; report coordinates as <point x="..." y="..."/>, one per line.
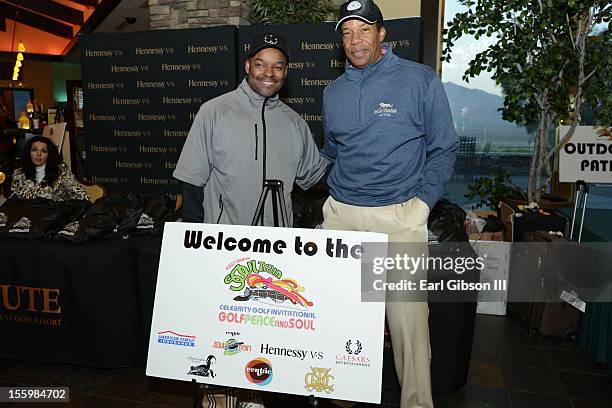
<point x="273" y="290"/>
<point x="232" y="347"/>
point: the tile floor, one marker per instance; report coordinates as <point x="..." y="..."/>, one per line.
<point x="509" y="369"/>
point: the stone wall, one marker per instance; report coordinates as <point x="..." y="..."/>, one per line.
<point x="164" y="14"/>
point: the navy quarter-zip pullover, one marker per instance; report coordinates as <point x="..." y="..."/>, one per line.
<point x="389" y="132"/>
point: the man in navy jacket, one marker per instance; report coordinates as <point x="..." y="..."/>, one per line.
<point x="390" y="136"/>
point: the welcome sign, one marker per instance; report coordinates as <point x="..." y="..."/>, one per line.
<point x="270" y="309"/>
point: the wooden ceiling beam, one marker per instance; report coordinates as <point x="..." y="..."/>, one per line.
<point x="36" y="21"/>
<point x="51" y="9"/>
<point x="90" y="3"/>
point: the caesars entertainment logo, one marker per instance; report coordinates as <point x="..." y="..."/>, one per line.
<point x="353" y="355"/>
<point x="319" y="380"/>
<point x="30" y="305"/>
<point x="259" y="371"/>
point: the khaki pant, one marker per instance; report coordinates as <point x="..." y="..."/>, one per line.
<point x="408" y="321"/>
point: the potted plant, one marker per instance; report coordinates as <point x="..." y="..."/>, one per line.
<point x="290" y="12"/>
<point x="548" y="62"/>
<point x="491" y="190"/>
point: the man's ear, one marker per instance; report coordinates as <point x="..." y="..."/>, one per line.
<point x="381" y="34"/>
<point x="247" y="65"/>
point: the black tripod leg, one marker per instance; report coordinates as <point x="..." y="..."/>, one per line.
<point x="281" y="200"/>
<point x="199" y="395"/>
<point x="259" y="211"/>
<point x="275" y="206"/>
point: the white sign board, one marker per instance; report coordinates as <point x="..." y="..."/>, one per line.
<point x="270" y="309"/>
<point x="587" y="156"/>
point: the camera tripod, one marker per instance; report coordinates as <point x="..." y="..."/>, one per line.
<point x="279" y="211"/>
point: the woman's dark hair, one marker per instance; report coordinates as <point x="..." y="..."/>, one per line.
<point x="53" y="160"/>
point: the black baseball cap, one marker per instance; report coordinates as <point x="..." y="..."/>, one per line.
<point x="364" y="10"/>
<point x="268" y="40"/>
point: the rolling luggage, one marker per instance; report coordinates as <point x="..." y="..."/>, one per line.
<point x="517" y="222"/>
<point x="557" y="319"/>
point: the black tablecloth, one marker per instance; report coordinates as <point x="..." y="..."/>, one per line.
<point x="84" y="304"/>
<point x="92" y="304"/>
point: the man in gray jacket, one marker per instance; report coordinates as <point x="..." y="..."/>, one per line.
<point x="244" y="137"/>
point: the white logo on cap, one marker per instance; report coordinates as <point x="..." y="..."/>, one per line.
<point x="354" y="5"/>
<point x="271" y="39"/>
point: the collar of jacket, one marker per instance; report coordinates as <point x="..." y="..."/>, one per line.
<point x="255" y="99"/>
<point x="387" y="59"/>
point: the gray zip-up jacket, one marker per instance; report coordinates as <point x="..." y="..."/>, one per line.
<point x="224" y="154"/>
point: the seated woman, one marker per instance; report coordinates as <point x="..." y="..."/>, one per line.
<point x="43" y="175"/>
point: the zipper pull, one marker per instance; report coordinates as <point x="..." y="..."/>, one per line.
<point x="256" y="142"/>
<point x="220" y="207"/>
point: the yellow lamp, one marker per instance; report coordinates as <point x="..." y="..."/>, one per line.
<point x="20" y="56"/>
<point x="16" y="69"/>
<point x="18" y="63"/>
<point x="15" y="76"/>
<point x="2" y="177"/>
<point x="21" y="47"/>
<point x="23" y="122"/>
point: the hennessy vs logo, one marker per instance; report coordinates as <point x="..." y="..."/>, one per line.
<point x="320" y="380"/>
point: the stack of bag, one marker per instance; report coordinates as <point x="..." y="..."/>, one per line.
<point x="114" y="216"/>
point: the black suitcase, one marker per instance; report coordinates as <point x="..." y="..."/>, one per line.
<point x="557" y="319"/>
<point x="529" y="220"/>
